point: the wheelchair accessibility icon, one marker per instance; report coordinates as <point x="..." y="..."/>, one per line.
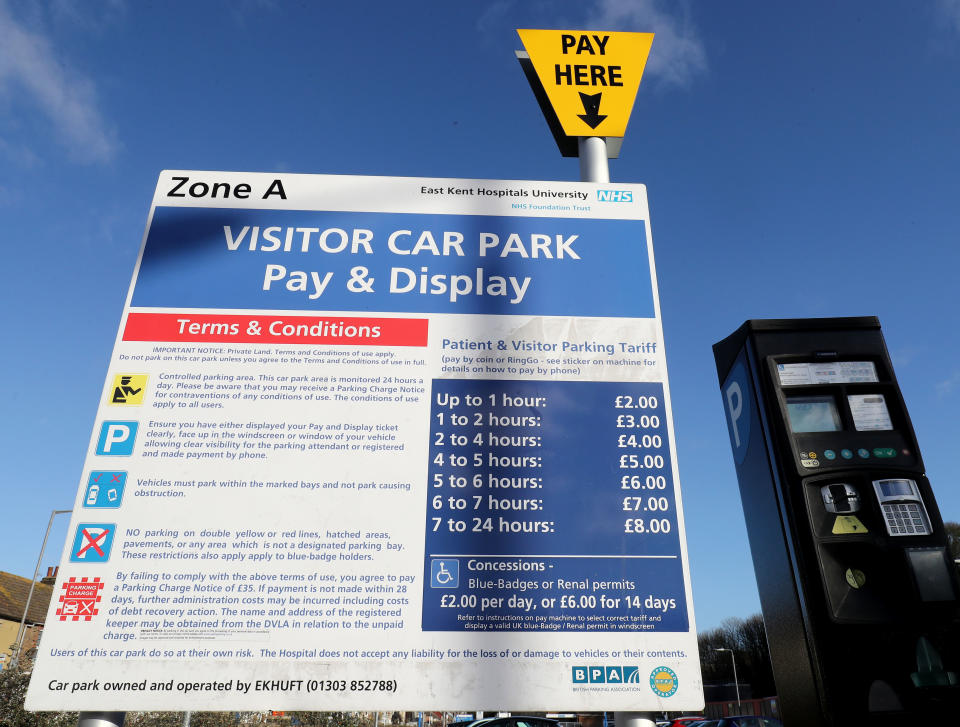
<point x="444" y="573"/>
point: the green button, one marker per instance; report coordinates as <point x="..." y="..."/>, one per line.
<point x="884" y="452"/>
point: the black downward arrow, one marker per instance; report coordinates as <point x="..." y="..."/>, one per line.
<point x="591" y="105"/>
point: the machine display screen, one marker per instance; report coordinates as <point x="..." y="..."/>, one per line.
<point x="813" y="414"/>
<point x="896" y="488"/>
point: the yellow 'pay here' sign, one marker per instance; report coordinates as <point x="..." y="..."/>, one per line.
<point x="591" y="77"/>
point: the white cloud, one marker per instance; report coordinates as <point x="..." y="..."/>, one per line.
<point x="949" y="385"/>
<point x="9" y="197"/>
<point x="903" y="356"/>
<point x="30" y="69"/>
<point x="19" y="154"/>
<point x="493" y="16"/>
<point x="79" y="14"/>
<point x="678" y="54"/>
<point x="949" y="11"/>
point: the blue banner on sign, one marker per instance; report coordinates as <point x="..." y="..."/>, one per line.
<point x="554" y="503"/>
<point x="348" y="261"/>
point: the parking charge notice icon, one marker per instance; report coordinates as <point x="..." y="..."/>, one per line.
<point x="80" y="598"/>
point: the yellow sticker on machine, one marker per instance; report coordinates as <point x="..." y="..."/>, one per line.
<point x="848" y="525"/>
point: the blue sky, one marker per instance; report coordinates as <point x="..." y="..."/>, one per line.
<point x="801" y="160"/>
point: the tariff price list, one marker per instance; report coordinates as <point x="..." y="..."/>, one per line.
<point x="551" y="506"/>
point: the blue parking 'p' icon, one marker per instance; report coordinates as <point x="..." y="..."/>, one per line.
<point x="117" y="439"/>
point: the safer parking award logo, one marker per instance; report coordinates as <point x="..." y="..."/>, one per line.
<point x="664" y="681"/>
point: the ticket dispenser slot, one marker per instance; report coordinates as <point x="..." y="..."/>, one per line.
<point x="859" y="595"/>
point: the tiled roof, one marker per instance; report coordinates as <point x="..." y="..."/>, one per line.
<point x="13" y="597"/>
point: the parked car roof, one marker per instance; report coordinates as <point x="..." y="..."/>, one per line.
<point x="749" y="720"/>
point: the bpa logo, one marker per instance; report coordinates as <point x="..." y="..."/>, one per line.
<point x="117" y="439"/>
<point x="623" y="675"/>
<point x="606" y="675"/>
<point x="614" y="195"/>
<point x="589" y="675"/>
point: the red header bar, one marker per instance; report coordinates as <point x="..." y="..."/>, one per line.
<point x="188" y="327"/>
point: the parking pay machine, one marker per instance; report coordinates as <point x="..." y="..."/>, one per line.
<point x="858" y="588"/>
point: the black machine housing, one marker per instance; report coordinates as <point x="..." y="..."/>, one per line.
<point x="857" y="585"/>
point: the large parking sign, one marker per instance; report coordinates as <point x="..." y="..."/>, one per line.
<point x="384" y="442"/>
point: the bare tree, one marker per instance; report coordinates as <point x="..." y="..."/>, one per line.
<point x="747" y="639"/>
<point x="13" y="690"/>
<point x="953" y="539"/>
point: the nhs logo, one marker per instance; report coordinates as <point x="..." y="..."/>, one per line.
<point x="614" y="195"/>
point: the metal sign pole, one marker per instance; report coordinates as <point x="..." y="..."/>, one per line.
<point x="22" y="631"/>
<point x="593" y="159"/>
<point x="86" y="719"/>
<point x="594" y="167"/>
<point x="634" y="719"/>
<point x="101" y="719"/>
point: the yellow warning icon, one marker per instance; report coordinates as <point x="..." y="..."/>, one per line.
<point x="848" y="525"/>
<point x="128" y="389"/>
